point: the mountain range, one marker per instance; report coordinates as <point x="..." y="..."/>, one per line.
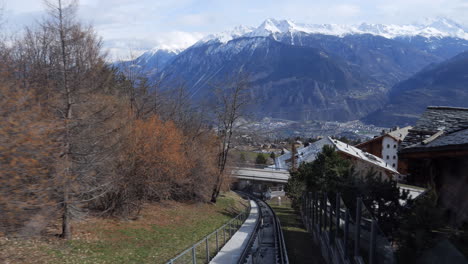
<point x="319" y="72"/>
<point x="443" y="84"/>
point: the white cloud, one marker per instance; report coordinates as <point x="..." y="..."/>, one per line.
<point x="345" y="10"/>
<point x="143" y="24"/>
<point x="125" y="48"/>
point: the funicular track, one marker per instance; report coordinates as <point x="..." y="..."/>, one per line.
<point x="266" y="245"/>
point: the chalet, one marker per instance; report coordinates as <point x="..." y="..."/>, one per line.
<point x="386" y="147"/>
<point x="436" y="150"/>
<point x="362" y="160"/>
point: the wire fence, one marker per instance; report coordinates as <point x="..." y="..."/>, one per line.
<point x="345" y="235"/>
<point x="204" y="250"/>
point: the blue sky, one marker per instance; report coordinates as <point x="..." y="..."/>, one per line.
<point x="131" y="26"/>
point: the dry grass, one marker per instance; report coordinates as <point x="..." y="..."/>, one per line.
<point x="162" y="231"/>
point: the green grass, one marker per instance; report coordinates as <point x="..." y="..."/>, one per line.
<point x="250" y="156"/>
<point x="146" y="240"/>
<point x="299" y="244"/>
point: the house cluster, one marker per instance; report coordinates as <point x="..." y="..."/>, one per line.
<point x="378" y="154"/>
<point x="433" y="155"/>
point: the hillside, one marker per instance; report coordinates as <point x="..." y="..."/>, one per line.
<point x="311" y="72"/>
<point x="443" y="84"/>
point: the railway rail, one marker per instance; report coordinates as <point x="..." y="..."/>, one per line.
<point x="266" y="245"/>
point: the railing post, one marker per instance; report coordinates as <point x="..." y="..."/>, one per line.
<point x="330" y="224"/>
<point x="316" y="205"/>
<point x="217" y="243"/>
<point x="338" y="215"/>
<point x="325" y="214"/>
<point x="194" y="255"/>
<point x="346" y="233"/>
<point x="312" y="209"/>
<point x="207" y="250"/>
<point x="320" y="211"/>
<point x="357" y="224"/>
<point x="372" y="243"/>
<point x="306" y="210"/>
<point x="224" y="234"/>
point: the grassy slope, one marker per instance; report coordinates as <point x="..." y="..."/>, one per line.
<point x="299" y="244"/>
<point x="159" y="234"/>
<point x="250" y="156"/>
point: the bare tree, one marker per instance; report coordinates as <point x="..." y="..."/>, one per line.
<point x="232" y="100"/>
<point x="66" y="67"/>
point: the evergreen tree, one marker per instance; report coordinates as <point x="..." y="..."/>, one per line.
<point x="260" y="159"/>
<point x="330" y="173"/>
<point x="272" y="156"/>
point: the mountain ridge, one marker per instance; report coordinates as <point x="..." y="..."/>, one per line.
<point x="303" y="76"/>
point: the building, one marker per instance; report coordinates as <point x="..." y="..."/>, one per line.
<point x="362" y="161"/>
<point x="386" y="147"/>
<point x="436" y="151"/>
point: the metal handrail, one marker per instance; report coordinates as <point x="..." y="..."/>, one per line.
<point x="251" y="240"/>
<point x="279" y="237"/>
<point x="241" y="216"/>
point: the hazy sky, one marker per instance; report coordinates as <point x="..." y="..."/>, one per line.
<point x="143" y="24"/>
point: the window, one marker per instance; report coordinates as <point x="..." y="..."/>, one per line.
<point x="388" y="145"/>
<point x="394" y="146"/>
<point x="394" y="157"/>
<point x="393" y="165"/>
<point x="388" y="157"/>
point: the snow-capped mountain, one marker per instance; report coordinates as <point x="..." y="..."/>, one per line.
<point x="151" y="61"/>
<point x="439" y="28"/>
<point x="312" y="71"/>
<point x="158" y="55"/>
<point x="225" y="36"/>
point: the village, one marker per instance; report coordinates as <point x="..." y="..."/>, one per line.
<point x="234" y="132"/>
<point x="425" y="159"/>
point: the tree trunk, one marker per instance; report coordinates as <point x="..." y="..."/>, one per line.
<point x="66" y="227"/>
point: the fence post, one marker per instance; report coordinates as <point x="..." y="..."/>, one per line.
<point x="207" y="250"/>
<point x="194" y="255"/>
<point x="325" y="214"/>
<point x="357" y="233"/>
<point x="320" y="208"/>
<point x="224" y="234"/>
<point x="306" y="209"/>
<point x="316" y="205"/>
<point x="338" y="215"/>
<point x="217" y="243"/>
<point x="372" y="243"/>
<point x="312" y="209"/>
<point x="330" y="224"/>
<point x="346" y="233"/>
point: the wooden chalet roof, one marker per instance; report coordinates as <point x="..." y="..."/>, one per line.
<point x="439" y="127"/>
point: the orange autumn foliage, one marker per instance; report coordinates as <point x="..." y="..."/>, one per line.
<point x="26" y="157"/>
<point x="160" y="156"/>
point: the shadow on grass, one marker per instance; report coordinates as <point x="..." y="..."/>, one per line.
<point x="301" y="248"/>
<point x="299" y="243"/>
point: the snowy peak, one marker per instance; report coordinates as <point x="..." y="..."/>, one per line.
<point x="226" y="36"/>
<point x="442" y="23"/>
<point x="439" y="27"/>
<point x="272" y="26"/>
<point x="163" y="49"/>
